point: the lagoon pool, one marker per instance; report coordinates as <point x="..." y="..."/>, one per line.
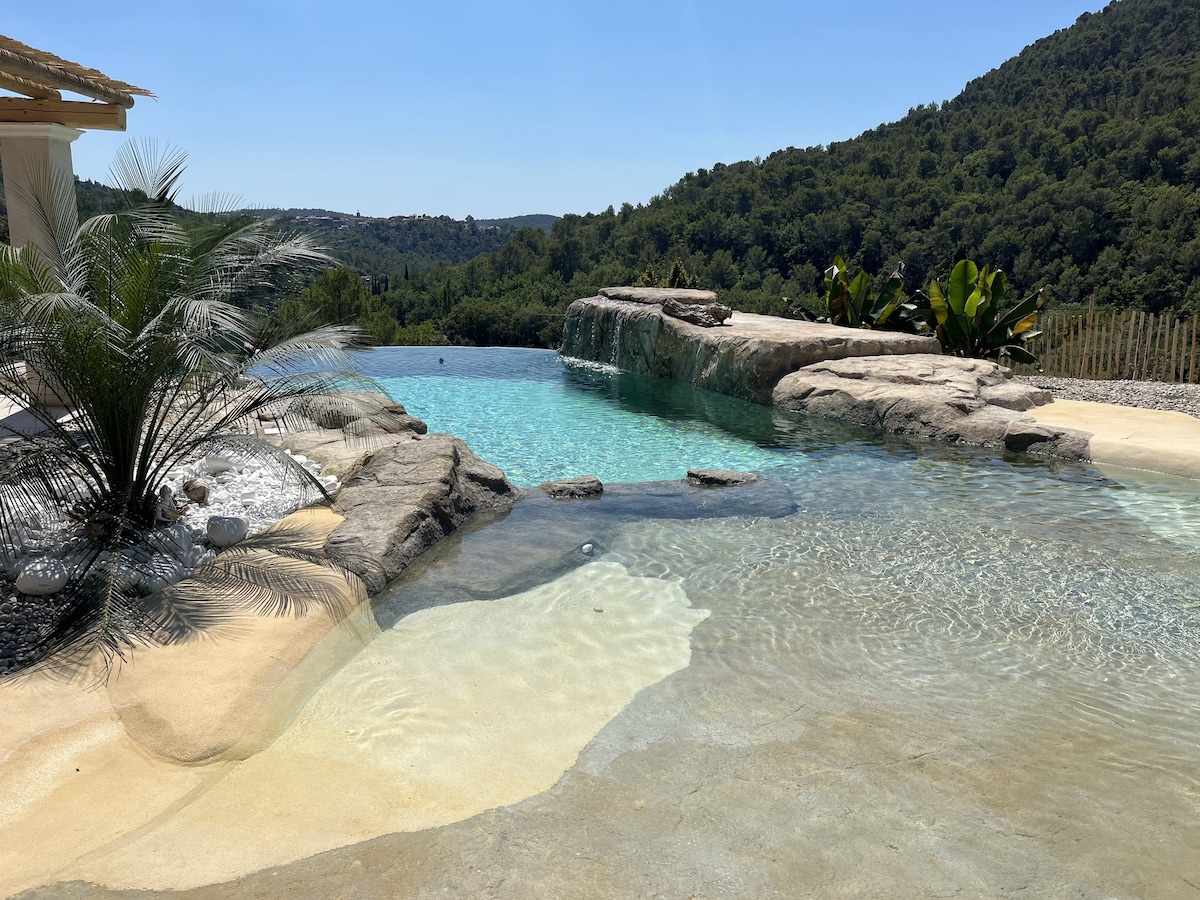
<point x="947" y="671"/>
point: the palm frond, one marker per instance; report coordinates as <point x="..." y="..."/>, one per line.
<point x="150" y="168"/>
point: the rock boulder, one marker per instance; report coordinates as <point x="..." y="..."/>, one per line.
<point x="967" y="401"/>
<point x="719" y="477"/>
<point x="706" y="315"/>
<point x="573" y="488"/>
<point x="402" y="498"/>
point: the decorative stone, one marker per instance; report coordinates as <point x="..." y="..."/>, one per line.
<point x="168" y="510"/>
<point x="573" y="488"/>
<point x="719" y="477"/>
<point x="225" y="531"/>
<point x="215" y="465"/>
<point x="706" y="315"/>
<point x="40" y="577"/>
<point x="195" y="490"/>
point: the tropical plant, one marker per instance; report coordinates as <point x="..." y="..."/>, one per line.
<point x="138" y="325"/>
<point x="852" y="301"/>
<point x="970" y="318"/>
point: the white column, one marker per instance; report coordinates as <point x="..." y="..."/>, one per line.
<point x="34" y="156"/>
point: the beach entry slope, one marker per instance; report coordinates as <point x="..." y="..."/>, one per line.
<point x="454" y="711"/>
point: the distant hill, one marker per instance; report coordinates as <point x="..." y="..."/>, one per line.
<point x="1073" y="165"/>
<point x="542" y="222"/>
<point x="371" y="245"/>
<point x="389" y="246"/>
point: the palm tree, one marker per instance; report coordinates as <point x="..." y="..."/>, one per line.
<point x="139" y="325"/>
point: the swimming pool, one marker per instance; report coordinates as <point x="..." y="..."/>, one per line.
<point x="986" y="662"/>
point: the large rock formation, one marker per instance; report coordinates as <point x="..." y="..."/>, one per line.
<point x="402" y="489"/>
<point x="898" y="382"/>
<point x="970" y="401"/>
<point x="401" y="499"/>
<point x="745" y="358"/>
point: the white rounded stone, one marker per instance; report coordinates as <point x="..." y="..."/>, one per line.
<point x="40" y="577"/>
<point x="225" y="531"/>
<point x="215" y="465"/>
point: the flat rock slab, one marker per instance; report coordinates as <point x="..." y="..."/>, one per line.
<point x="500" y="552"/>
<point x="745" y="358"/>
<point x="966" y="401"/>
<point x="659" y="295"/>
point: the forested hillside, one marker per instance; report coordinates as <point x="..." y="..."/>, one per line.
<point x="376" y="246"/>
<point x="1073" y="165"/>
<point x="372" y="246"/>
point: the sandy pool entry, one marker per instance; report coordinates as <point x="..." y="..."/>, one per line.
<point x="455" y="710"/>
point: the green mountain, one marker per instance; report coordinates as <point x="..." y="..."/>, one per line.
<point x="1073" y="165"/>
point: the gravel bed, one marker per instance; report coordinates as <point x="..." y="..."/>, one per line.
<point x="1184" y="398"/>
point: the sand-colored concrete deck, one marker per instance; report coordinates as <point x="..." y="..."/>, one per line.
<point x="1149" y="439"/>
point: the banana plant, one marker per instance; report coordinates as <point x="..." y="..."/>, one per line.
<point x="852" y="302"/>
<point x="970" y="318"/>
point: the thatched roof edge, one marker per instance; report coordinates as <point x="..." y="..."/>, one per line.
<point x="44" y="71"/>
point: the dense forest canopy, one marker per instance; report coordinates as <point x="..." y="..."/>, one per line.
<point x="1073" y="166"/>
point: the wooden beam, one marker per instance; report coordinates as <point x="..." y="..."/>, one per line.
<point x="71" y="113"/>
<point x="24" y="67"/>
<point x="28" y="88"/>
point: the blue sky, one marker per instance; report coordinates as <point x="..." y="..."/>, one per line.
<point x="501" y="109"/>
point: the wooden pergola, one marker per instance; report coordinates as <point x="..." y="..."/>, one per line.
<point x="38" y="126"/>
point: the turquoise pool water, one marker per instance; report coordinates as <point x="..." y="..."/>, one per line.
<point x="988" y="663"/>
<point x="538" y="417"/>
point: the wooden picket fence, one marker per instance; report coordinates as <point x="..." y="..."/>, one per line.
<point x="1106" y="344"/>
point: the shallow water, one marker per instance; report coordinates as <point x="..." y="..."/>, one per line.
<point x="1033" y="624"/>
<point x="891" y="668"/>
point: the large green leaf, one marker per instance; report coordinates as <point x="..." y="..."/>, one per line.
<point x="937" y="302"/>
<point x="890" y="299"/>
<point x="859" y="299"/>
<point x="1018" y="354"/>
<point x="962" y="284"/>
<point x="1029" y="306"/>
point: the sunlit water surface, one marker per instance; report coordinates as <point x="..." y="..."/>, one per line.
<point x="1032" y="619"/>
